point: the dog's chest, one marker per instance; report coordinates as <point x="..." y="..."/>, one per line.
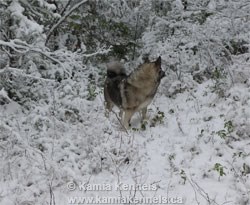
<point x="145" y="103"/>
<point x="148" y="98"/>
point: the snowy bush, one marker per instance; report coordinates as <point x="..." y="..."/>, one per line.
<point x="194" y="143"/>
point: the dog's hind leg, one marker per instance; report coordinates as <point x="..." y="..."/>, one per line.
<point x="121" y="114"/>
<point x="108" y="106"/>
<point x="127" y="117"/>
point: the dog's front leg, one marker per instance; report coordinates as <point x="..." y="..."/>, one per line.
<point x="127" y="117"/>
<point x="144" y="113"/>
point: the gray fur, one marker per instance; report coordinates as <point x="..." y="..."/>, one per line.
<point x="134" y="92"/>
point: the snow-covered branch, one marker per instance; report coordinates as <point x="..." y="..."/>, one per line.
<point x="23" y="48"/>
<point x="67" y="14"/>
<point x="100" y="51"/>
<point x="19" y="72"/>
<point x="16" y="45"/>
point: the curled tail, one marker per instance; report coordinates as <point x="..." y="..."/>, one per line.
<point x="115" y="69"/>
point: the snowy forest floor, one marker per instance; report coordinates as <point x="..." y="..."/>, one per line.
<point x="195" y="145"/>
<point x="57" y="146"/>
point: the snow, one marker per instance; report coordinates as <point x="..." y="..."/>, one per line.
<point x="26" y="26"/>
<point x="212" y="5"/>
<point x="178" y="4"/>
<point x="194" y="145"/>
<point x="3" y="93"/>
<point x="49" y="6"/>
<point x="178" y="154"/>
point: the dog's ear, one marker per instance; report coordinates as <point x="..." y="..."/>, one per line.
<point x="158" y="61"/>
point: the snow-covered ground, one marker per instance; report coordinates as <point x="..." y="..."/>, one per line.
<point x="58" y="148"/>
<point x="194" y="148"/>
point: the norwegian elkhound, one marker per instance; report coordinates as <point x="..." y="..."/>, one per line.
<point x="134" y="92"/>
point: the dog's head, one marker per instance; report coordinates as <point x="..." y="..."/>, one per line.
<point x="153" y="70"/>
<point x="148" y="74"/>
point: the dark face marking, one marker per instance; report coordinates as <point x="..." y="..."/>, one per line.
<point x="158" y="62"/>
<point x="161" y="73"/>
